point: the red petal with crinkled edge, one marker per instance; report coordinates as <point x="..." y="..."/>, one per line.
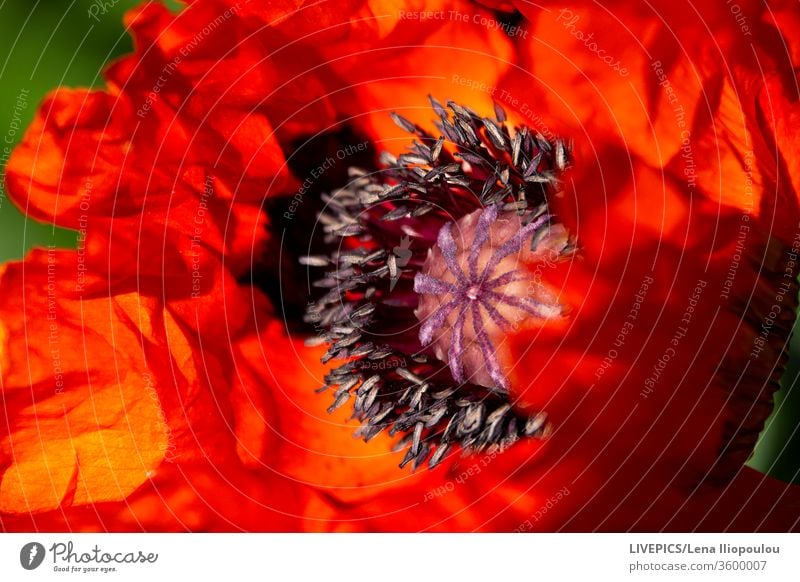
<point x="98" y="390"/>
<point x="84" y="162"/>
<point x="310" y="67"/>
<point x="643" y="75"/>
<point x="83" y="421"/>
<point x="683" y="299"/>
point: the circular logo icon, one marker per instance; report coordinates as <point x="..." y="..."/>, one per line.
<point x="31" y="555"/>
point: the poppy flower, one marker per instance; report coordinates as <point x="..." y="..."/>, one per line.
<point x="560" y="299"/>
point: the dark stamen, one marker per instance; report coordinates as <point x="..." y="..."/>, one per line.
<point x="379" y="228"/>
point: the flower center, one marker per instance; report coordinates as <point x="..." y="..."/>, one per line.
<point x="432" y="262"/>
<point x="481" y="285"/>
<point x="473" y="292"/>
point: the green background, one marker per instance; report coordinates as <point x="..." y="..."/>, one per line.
<point x="48" y="43"/>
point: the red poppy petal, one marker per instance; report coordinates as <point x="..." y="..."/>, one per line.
<point x="84" y="424"/>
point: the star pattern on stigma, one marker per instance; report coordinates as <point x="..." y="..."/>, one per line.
<point x="474" y="289"/>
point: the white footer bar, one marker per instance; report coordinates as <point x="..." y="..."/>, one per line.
<point x="399" y="557"/>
